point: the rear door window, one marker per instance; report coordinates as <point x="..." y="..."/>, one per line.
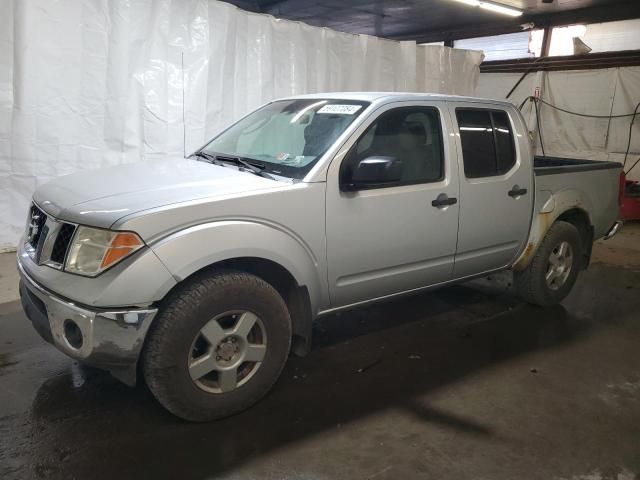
<point x="487" y="142"/>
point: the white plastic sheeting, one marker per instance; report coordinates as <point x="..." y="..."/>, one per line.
<point x="446" y="70"/>
<point x="594" y="92"/>
<point x="90" y="83"/>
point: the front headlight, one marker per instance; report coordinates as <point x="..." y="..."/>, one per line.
<point x="94" y="250"/>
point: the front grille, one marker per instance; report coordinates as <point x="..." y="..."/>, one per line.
<point x="47" y="239"/>
<point x="60" y="246"/>
<point x="36" y="225"/>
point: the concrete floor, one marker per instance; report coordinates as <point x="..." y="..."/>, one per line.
<point x="465" y="382"/>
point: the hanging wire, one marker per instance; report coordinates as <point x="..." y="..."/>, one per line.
<point x="626" y="153"/>
<point x="623" y="115"/>
<point x="633" y="115"/>
<point x="535" y="104"/>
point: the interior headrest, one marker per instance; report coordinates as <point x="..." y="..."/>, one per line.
<point x="417" y="131"/>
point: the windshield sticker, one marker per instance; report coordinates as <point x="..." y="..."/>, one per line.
<point x="340" y="109"/>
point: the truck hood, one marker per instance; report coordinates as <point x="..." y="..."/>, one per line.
<point x="101" y="197"/>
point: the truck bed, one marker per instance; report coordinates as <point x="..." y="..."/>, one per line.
<point x="592" y="186"/>
<point x="555" y="165"/>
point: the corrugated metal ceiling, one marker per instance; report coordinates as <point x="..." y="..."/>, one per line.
<point x="428" y="20"/>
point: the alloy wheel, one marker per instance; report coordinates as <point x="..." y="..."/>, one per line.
<point x="559" y="266"/>
<point x="227" y="351"/>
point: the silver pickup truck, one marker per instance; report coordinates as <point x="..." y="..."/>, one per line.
<point x="203" y="274"/>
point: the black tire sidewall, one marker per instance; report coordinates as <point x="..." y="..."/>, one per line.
<point x="559" y="232"/>
<point x="166" y="370"/>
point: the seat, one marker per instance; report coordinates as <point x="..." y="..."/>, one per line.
<point x="407" y="140"/>
<point x="424" y="152"/>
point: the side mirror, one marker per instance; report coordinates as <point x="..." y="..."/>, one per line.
<point x="373" y="172"/>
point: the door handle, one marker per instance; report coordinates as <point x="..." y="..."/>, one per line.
<point x="516" y="191"/>
<point x="443" y="201"/>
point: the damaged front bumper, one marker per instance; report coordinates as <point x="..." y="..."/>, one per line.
<point x="104" y="338"/>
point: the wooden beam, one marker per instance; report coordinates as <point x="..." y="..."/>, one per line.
<point x="589" y="61"/>
<point x="546" y="41"/>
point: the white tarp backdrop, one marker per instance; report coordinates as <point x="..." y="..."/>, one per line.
<point x="90" y="83"/>
<point x="607" y="91"/>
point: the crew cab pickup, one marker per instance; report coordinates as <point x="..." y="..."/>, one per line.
<point x="204" y="273"/>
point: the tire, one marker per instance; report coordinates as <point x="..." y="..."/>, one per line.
<point x="182" y="337"/>
<point x="531" y="283"/>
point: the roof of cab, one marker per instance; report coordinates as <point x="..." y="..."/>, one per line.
<point x="387" y="97"/>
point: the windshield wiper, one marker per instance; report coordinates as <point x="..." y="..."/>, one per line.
<point x="217" y="159"/>
<point x="208" y="157"/>
<point x="255" y="168"/>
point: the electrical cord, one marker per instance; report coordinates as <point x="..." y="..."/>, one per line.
<point x="632" y="166"/>
<point x="535" y="104"/>
<point x="588" y="115"/>
<point x="523" y="102"/>
<point x="526" y="72"/>
<point x="626" y="153"/>
<point x="633" y="115"/>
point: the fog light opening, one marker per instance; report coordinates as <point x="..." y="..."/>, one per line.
<point x="73" y="334"/>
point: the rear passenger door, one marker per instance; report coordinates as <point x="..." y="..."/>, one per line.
<point x="496" y="187"/>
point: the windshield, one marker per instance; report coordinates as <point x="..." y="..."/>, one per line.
<point x="287" y="137"/>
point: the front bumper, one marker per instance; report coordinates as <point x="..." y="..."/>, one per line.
<point x="109" y="339"/>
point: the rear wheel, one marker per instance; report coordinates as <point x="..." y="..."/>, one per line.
<point x="217" y="346"/>
<point x="549" y="277"/>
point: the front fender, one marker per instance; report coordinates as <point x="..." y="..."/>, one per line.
<point x="194" y="248"/>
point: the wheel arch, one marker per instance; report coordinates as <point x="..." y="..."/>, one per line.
<point x="579" y="218"/>
<point x="568" y="207"/>
<point x="276" y="256"/>
<point x="294" y="295"/>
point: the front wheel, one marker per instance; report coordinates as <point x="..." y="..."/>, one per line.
<point x="217" y="346"/>
<point x="549" y="277"/>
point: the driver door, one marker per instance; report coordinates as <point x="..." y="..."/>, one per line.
<point x="397" y="237"/>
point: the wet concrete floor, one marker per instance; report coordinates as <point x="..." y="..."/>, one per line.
<point x="465" y="382"/>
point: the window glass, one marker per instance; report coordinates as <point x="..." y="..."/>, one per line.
<point x="504" y="142"/>
<point x="612" y="36"/>
<point x="565" y="39"/>
<point x="412" y="135"/>
<point x="288" y="136"/>
<point x="478" y="144"/>
<point x="595" y="37"/>
<point x="487" y="142"/>
<point x="505" y="47"/>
